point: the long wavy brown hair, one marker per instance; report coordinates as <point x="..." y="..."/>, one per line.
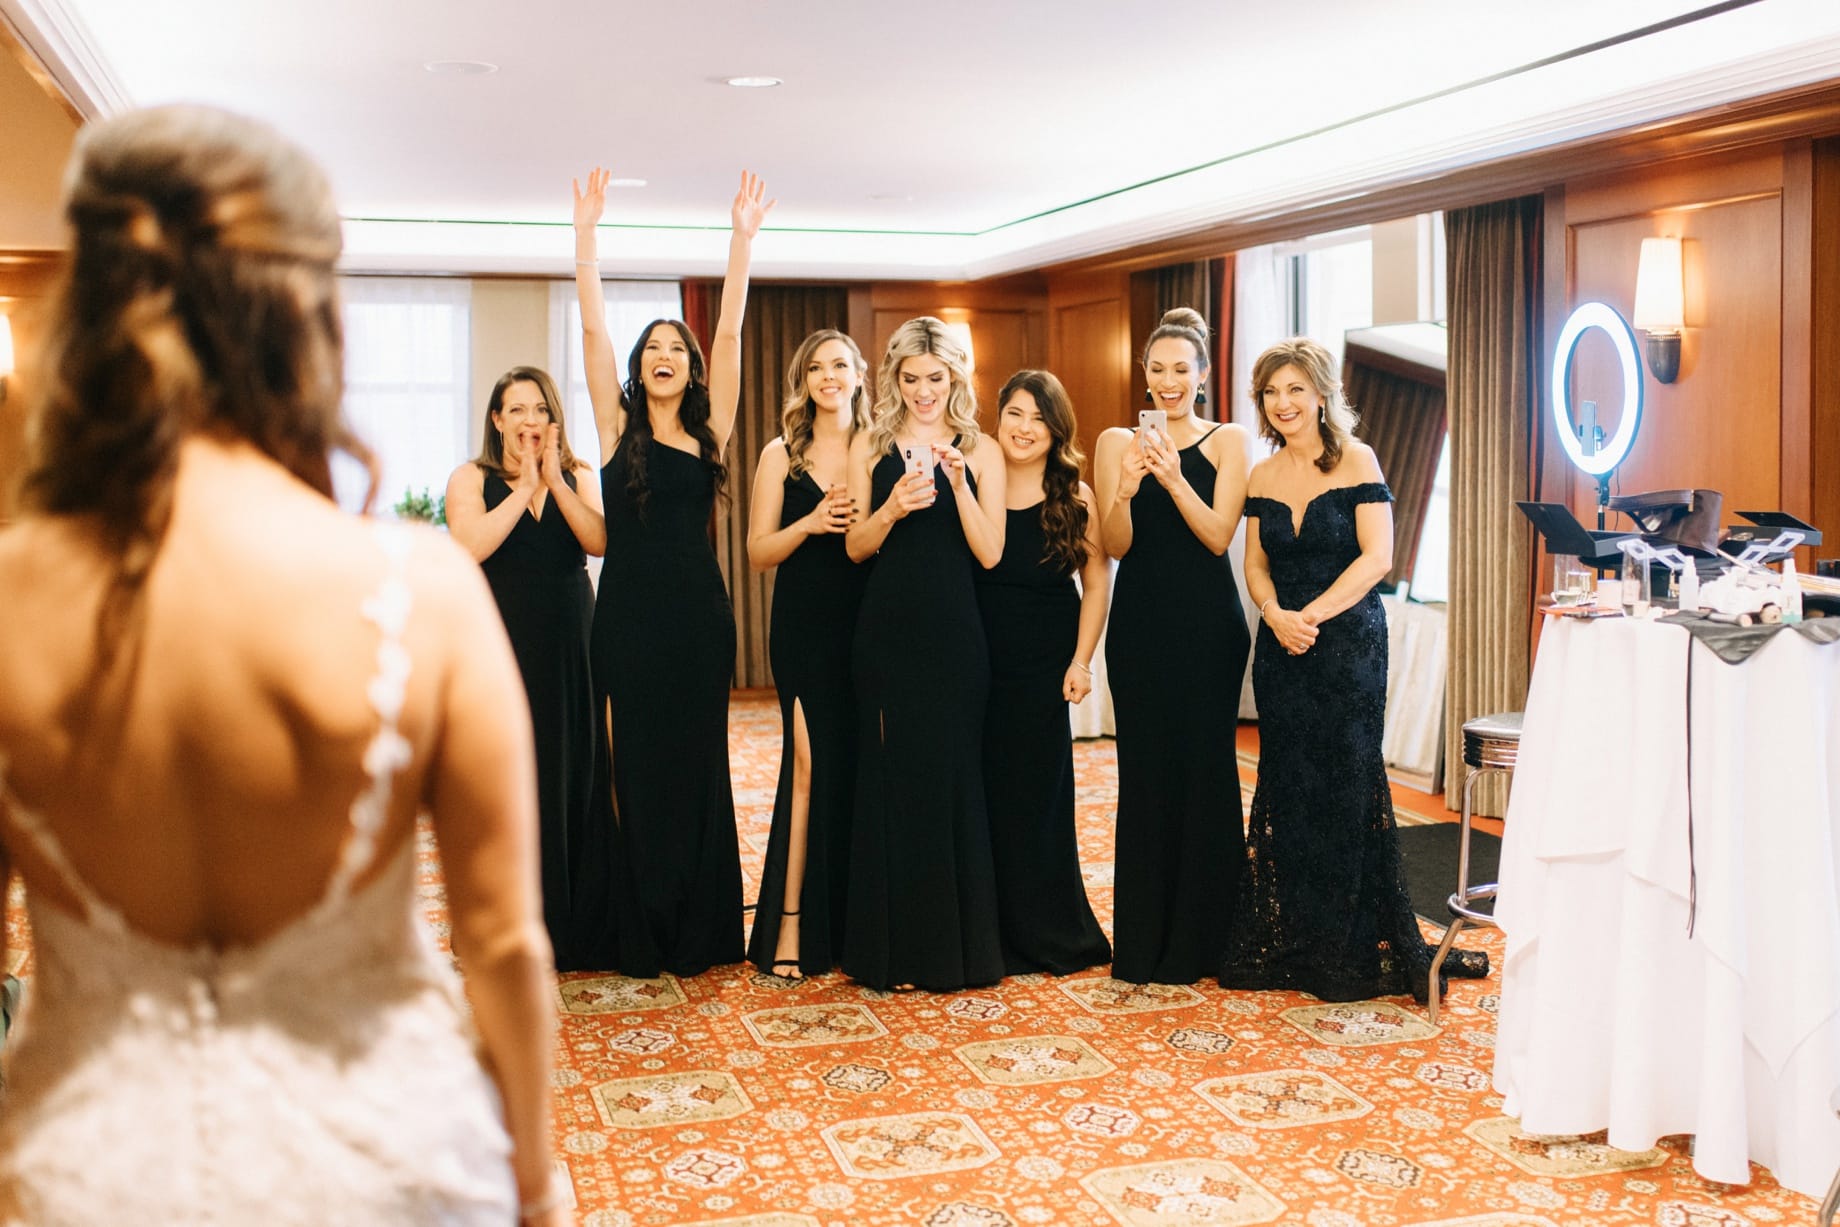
<point x="200" y="296"/>
<point x="1063" y="515"/>
<point x="796" y="417"/>
<point x="692" y="414"/>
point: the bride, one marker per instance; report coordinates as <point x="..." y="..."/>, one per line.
<point x="222" y="704"/>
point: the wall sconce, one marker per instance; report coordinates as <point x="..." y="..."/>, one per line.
<point x="1660" y="306"/>
<point x="6" y="354"/>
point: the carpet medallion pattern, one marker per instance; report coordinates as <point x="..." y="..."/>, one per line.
<point x="739" y="1099"/>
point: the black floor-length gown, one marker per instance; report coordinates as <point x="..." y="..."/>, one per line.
<point x="1032" y="624"/>
<point x="1323" y="908"/>
<point x="815" y="598"/>
<point x="922" y="893"/>
<point x="538" y="576"/>
<point x="1175" y="656"/>
<point x="664" y="656"/>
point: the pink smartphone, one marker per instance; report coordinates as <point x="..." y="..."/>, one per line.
<point x="917" y="458"/>
<point x="1152" y="419"/>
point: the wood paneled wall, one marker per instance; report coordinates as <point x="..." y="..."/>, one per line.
<point x="26" y="283"/>
<point x="1741" y="417"/>
<point x="1089" y="348"/>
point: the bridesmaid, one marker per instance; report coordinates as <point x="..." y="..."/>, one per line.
<point x="922" y="902"/>
<point x="1042" y="631"/>
<point x="1176" y="655"/>
<point x="800" y="513"/>
<point x="529" y="512"/>
<point x="663" y="637"/>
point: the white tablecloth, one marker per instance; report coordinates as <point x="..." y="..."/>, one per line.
<point x="1612" y="1016"/>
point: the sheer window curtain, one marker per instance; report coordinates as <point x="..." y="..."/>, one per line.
<point x="407" y="359"/>
<point x="1261" y="316"/>
<point x="631" y="305"/>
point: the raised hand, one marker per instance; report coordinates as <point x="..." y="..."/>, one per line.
<point x="952" y="461"/>
<point x="1161" y="458"/>
<point x="1133" y="466"/>
<point x="589" y="204"/>
<point x="552" y="455"/>
<point x="748" y="211"/>
<point x="910" y="494"/>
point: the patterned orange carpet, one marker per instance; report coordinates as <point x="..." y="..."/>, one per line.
<point x="743" y="1100"/>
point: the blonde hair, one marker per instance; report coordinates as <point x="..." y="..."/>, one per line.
<point x="1336" y="423"/>
<point x="796" y="418"/>
<point x="923" y="335"/>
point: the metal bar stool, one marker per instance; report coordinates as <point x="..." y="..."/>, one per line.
<point x="1490" y="743"/>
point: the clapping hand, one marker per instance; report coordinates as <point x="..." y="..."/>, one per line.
<point x="552" y="456"/>
<point x="748" y="211"/>
<point x="834" y="514"/>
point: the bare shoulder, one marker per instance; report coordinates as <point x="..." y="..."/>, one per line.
<point x="1226" y="439"/>
<point x="1359" y="463"/>
<point x="467" y="476"/>
<point x="1258" y="480"/>
<point x="773" y="455"/>
<point x="1086" y="496"/>
<point x="1114" y="436"/>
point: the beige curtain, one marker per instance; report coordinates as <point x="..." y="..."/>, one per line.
<point x="778" y="318"/>
<point x="1493" y="386"/>
<point x="1200" y="284"/>
<point x="1402" y="419"/>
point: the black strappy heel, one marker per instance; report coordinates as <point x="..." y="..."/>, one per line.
<point x="773" y="968"/>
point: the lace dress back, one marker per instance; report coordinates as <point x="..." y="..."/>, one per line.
<point x="325" y="1074"/>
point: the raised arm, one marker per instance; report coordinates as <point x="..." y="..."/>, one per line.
<point x="746" y="214"/>
<point x="598" y="361"/>
<point x="1373" y="528"/>
<point x="1213" y="516"/>
<point x="911" y="493"/>
<point x="982" y="514"/>
<point x="481" y="792"/>
<point x="481" y="532"/>
<point x="1118" y="470"/>
<point x="1095" y="604"/>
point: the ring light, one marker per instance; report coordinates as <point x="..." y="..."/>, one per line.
<point x="1588" y="316"/>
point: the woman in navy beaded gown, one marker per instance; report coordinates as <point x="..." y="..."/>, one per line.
<point x="922" y="893"/>
<point x="1323" y="909"/>
<point x="1175" y="650"/>
<point x="1042" y="632"/>
<point x="663" y="637"/>
<point x="530" y="512"/>
<point x="800" y="512"/>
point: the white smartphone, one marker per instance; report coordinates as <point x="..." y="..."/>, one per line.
<point x="1152" y="419"/>
<point x="917" y="458"/>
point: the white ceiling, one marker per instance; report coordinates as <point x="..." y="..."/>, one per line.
<point x="947" y="139"/>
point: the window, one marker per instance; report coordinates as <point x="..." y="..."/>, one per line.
<point x="631" y="305"/>
<point x="1431" y="569"/>
<point x="1330" y="286"/>
<point x="407" y="357"/>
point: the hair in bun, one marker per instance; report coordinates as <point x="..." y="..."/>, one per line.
<point x="1183" y="322"/>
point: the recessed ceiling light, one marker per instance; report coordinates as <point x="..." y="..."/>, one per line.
<point x="752" y="82"/>
<point x="902" y="196"/>
<point x="625" y="183"/>
<point x="459" y="68"/>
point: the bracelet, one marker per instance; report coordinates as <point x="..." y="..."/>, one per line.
<point x="1268" y="601"/>
<point x="594" y="263"/>
<point x="1082" y="668"/>
<point x="554" y="1198"/>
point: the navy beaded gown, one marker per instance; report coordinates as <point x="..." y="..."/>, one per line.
<point x="1175" y="655"/>
<point x="922" y="893"/>
<point x="539" y="578"/>
<point x="663" y="657"/>
<point x="1323" y="908"/>
<point x="1031" y="614"/>
<point x="815" y="596"/>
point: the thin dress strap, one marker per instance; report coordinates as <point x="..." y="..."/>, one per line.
<point x="388" y="752"/>
<point x="1204" y="438"/>
<point x="97" y="912"/>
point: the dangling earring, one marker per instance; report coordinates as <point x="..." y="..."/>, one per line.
<point x="1149" y="399"/>
<point x="1200" y="397"/>
<point x="1322" y="415"/>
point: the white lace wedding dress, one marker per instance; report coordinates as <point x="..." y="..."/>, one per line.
<point x="325" y="1075"/>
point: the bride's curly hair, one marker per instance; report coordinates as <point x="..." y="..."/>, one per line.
<point x="200" y="296"/>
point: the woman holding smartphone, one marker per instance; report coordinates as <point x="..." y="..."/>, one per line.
<point x="663" y="637"/>
<point x="800" y="513"/>
<point x="922" y="904"/>
<point x="1170" y="496"/>
<point x="530" y="513"/>
<point x="1042" y="631"/>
